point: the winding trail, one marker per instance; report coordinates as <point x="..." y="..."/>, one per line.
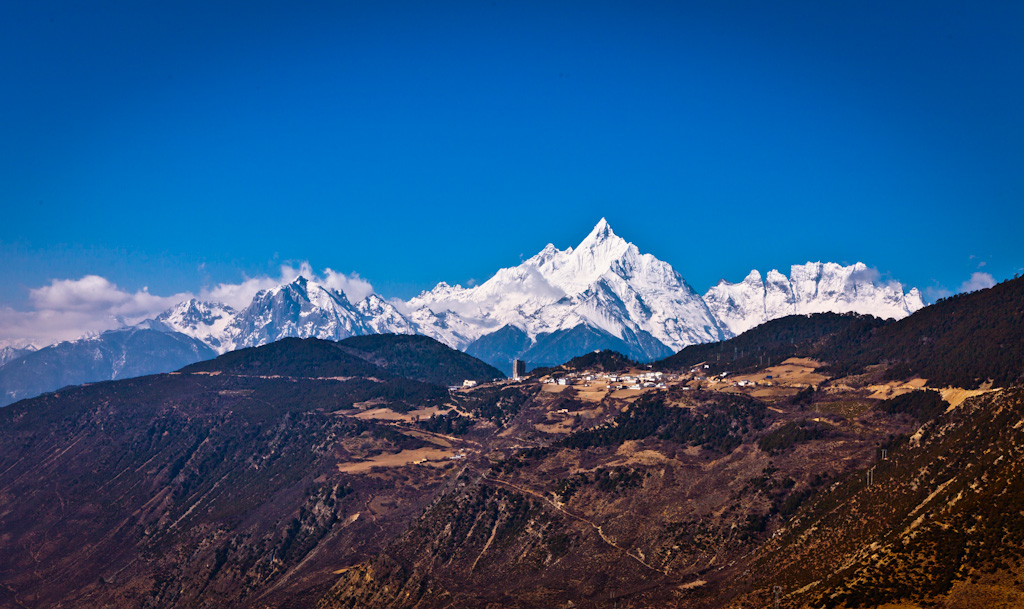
<point x="596" y="527"/>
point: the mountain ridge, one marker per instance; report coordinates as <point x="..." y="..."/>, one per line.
<point x="814" y="287"/>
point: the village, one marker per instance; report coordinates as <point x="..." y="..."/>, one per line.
<point x="778" y="381"/>
<point x="782" y="380"/>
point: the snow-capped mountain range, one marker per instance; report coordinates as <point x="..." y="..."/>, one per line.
<point x="603" y="293"/>
<point x="814" y="287"/>
<point x="559" y="303"/>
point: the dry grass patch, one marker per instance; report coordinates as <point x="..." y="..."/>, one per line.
<point x="386" y="414"/>
<point x="888" y="391"/>
<point x="956" y="396"/>
<point x="561" y="427"/>
<point x="400" y="459"/>
<point x="623" y="394"/>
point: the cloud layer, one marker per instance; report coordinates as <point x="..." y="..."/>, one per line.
<point x="70" y="308"/>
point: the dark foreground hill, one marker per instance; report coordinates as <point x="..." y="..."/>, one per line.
<point x="419" y="357"/>
<point x="963" y="341"/>
<point x="596" y="361"/>
<point x="382" y="355"/>
<point x="775" y="341"/>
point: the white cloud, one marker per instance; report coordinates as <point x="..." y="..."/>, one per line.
<point x="355" y="287"/>
<point x="978" y="281"/>
<point x="67" y="309"/>
<point x="96" y="295"/>
<point x="41" y="328"/>
<point x="863" y="275"/>
<point x="239" y="295"/>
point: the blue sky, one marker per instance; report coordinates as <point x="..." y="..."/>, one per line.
<point x="179" y="146"/>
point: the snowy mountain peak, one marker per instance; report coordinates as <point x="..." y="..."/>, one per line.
<point x="602" y="232"/>
<point x="753" y="277"/>
<point x="193" y="311"/>
<point x="575" y="269"/>
<point x="205" y="321"/>
<point x="601" y="241"/>
<point x="604" y="284"/>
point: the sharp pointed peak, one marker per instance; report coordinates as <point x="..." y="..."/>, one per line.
<point x="602" y="233"/>
<point x="602" y="229"/>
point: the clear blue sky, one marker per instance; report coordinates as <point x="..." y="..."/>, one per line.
<point x="180" y="144"/>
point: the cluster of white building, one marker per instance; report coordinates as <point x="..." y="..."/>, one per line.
<point x="641" y="380"/>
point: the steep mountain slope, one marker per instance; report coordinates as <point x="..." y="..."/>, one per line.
<point x="382" y="317"/>
<point x="937" y="524"/>
<point x="563" y="345"/>
<point x="496" y="347"/>
<point x="115" y="354"/>
<point x="814" y="287"/>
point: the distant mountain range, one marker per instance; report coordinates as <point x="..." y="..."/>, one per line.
<point x="112" y="355"/>
<point x="602" y="294"/>
<point x="814" y="287"/>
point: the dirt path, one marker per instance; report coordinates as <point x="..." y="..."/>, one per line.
<point x="596" y="527"/>
<point x="494" y="531"/>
